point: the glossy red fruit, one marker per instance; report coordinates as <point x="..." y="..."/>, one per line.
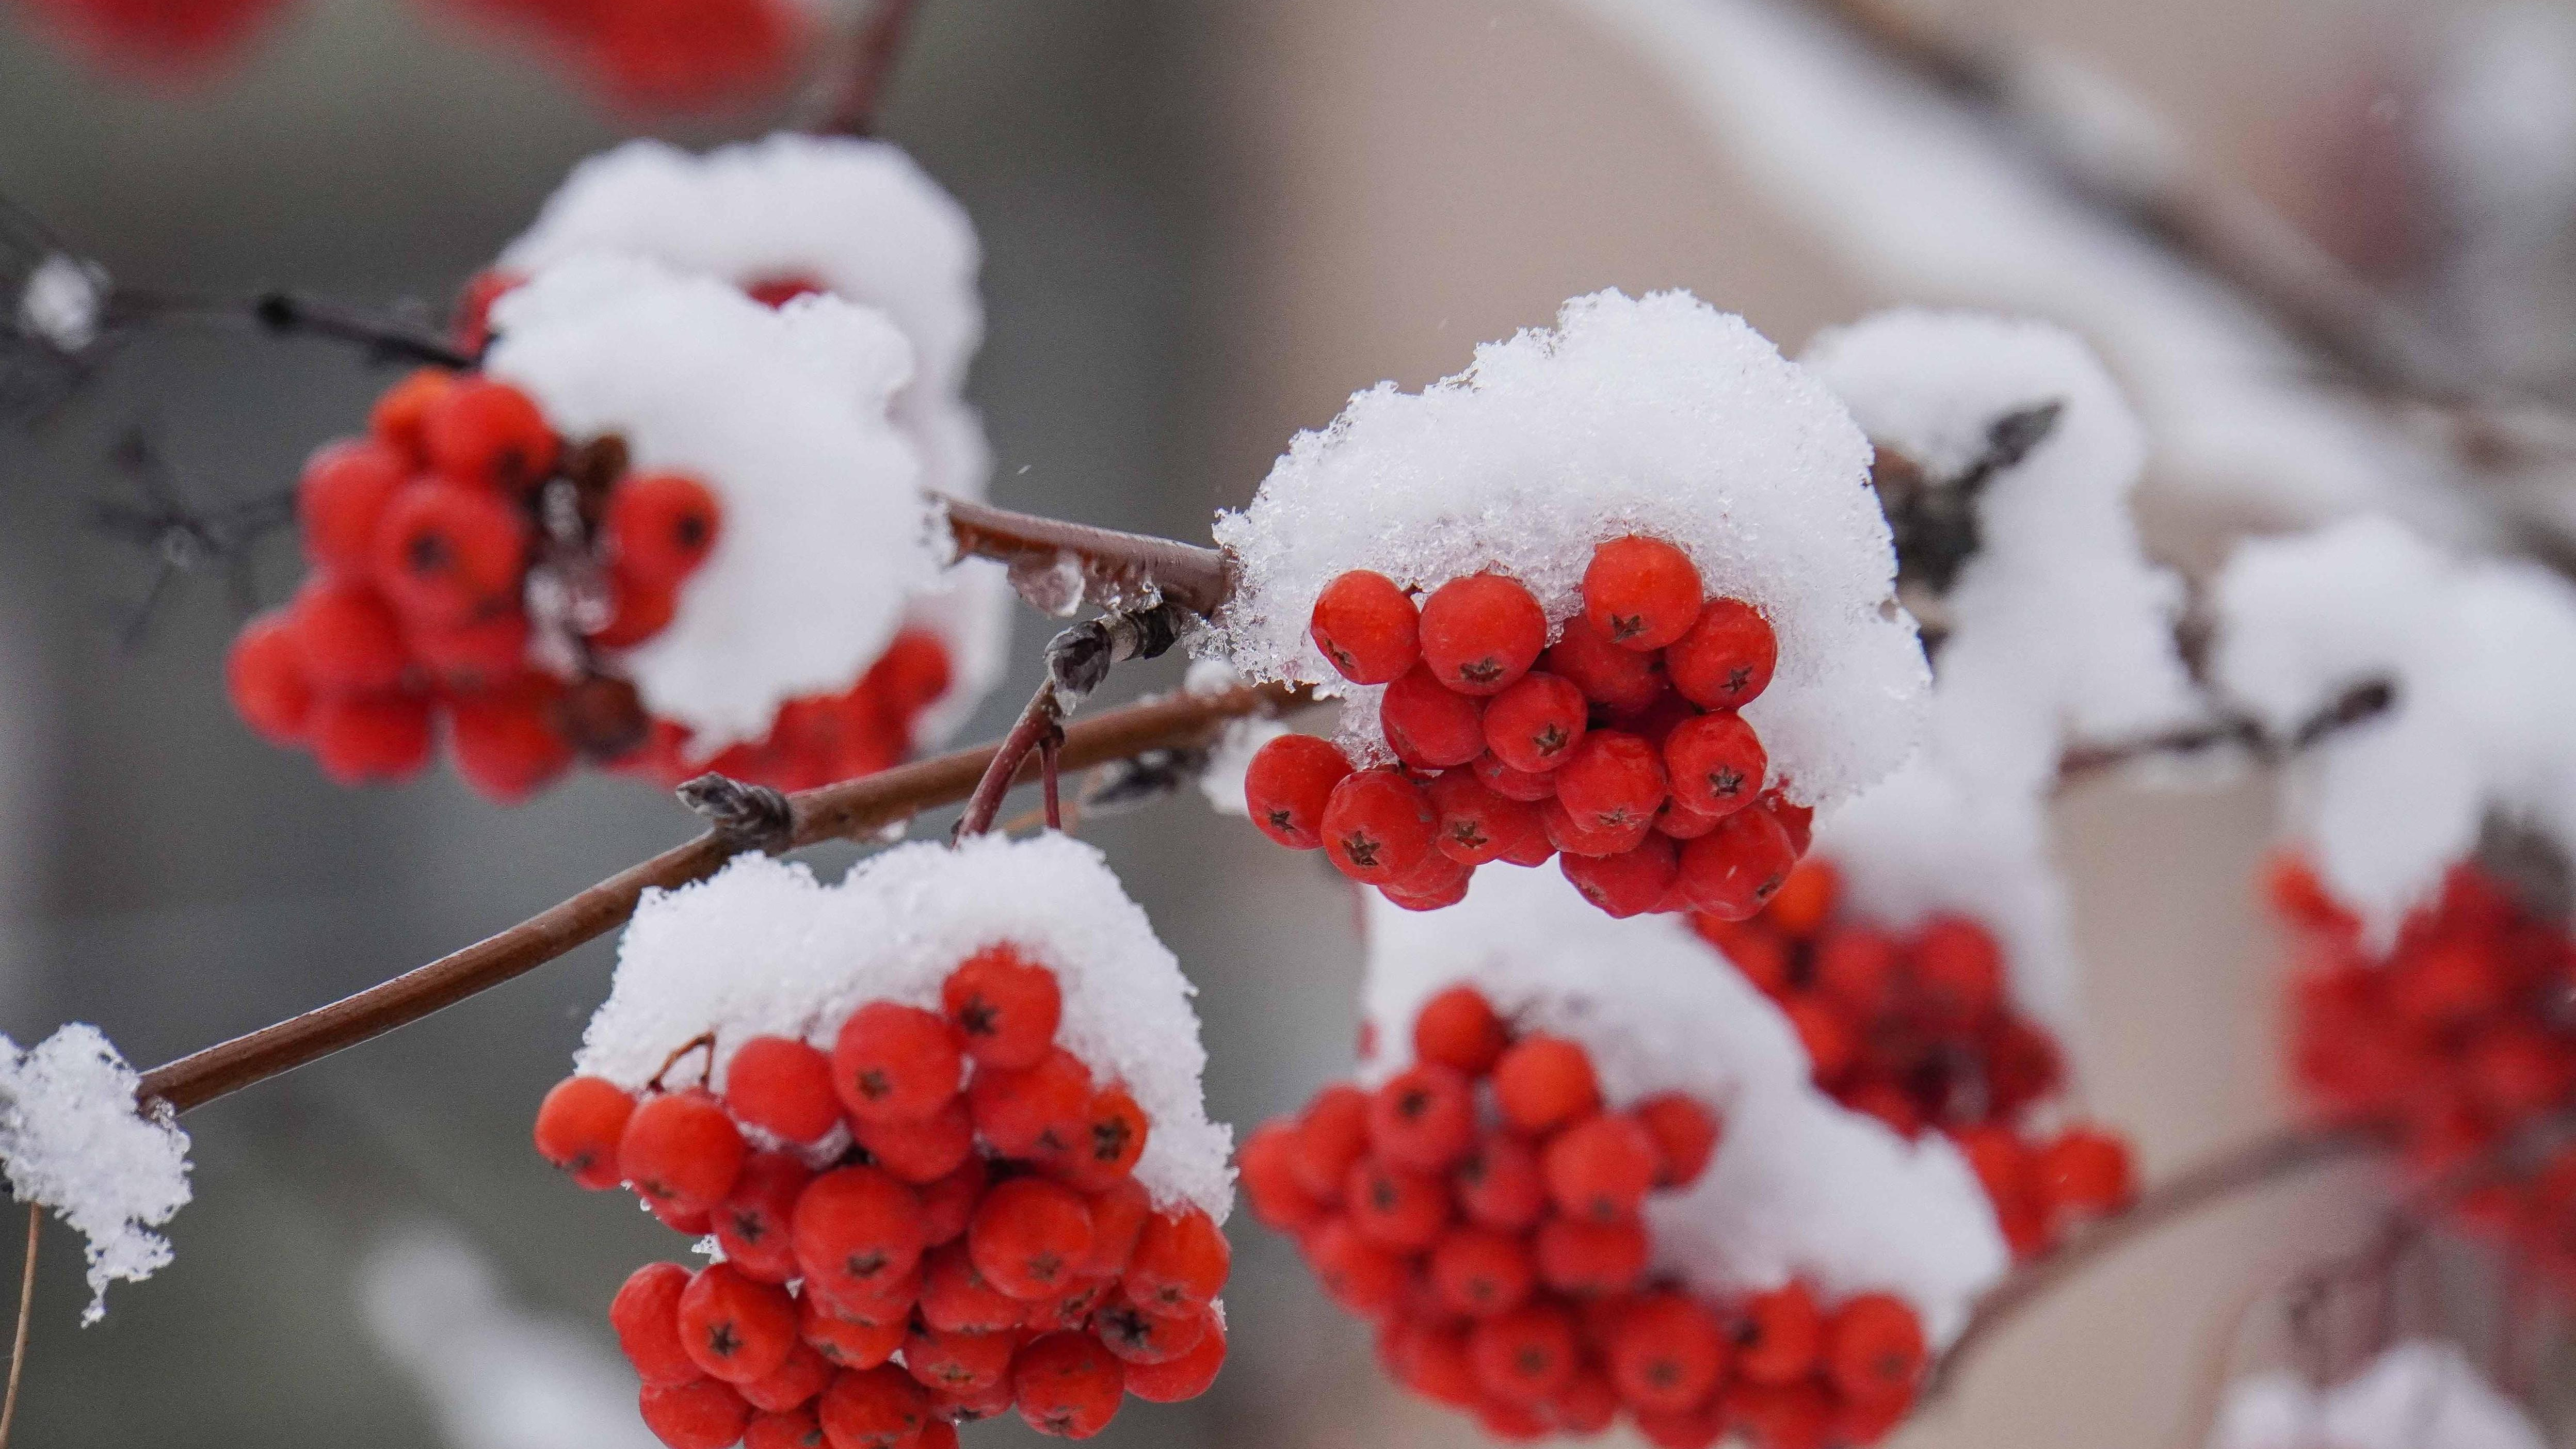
<point x="1270" y="1182"/>
<point x="1590" y="1259"/>
<point x="1287" y="786"/>
<point x="1573" y="837"/>
<point x="1780" y="1335"/>
<point x="1477" y="825"/>
<point x="1118" y="1215"/>
<point x="701" y="1414"/>
<point x="1106" y="1144"/>
<point x="1734" y="870"/>
<point x="401" y="414"/>
<point x="895" y="1063"/>
<point x="735" y="1327"/>
<point x="1429" y="725"/>
<point x="1716" y="763"/>
<point x="782" y="1085"/>
<point x="1631" y="883"/>
<point x="265" y="677"/>
<point x="1478" y="1271"/>
<point x="1458" y="1028"/>
<point x="1641" y="593"/>
<point x="949" y="1204"/>
<point x="448" y="552"/>
<point x="1004" y="1006"/>
<point x="680" y="1151"/>
<point x="645" y="1315"/>
<point x="924" y="1151"/>
<point x="874" y="1408"/>
<point x="1362" y="1277"/>
<point x="359" y="739"/>
<point x="1423" y="1118"/>
<point x="504" y="740"/>
<point x="1599" y="1169"/>
<point x="847" y="1342"/>
<point x="792" y="1385"/>
<point x="1034" y="1111"/>
<point x="1137" y="1336"/>
<point x="1500" y="1184"/>
<point x="1367" y="627"/>
<point x="1181" y="1260"/>
<point x="1614" y="781"/>
<point x="1685" y="1133"/>
<point x="958" y="1364"/>
<point x="1185" y="1377"/>
<point x="485" y="432"/>
<point x="578" y="1128"/>
<point x="349" y="639"/>
<point x="1534" y="725"/>
<point x="1068" y="1385"/>
<point x="1029" y="1237"/>
<point x="857" y="1232"/>
<point x="1434" y="882"/>
<point x="661" y="527"/>
<point x="341" y="497"/>
<point x="1524" y="1356"/>
<point x="1544" y="1082"/>
<point x="1874" y="1347"/>
<point x="1377" y="826"/>
<point x="753" y="1222"/>
<point x="1667" y="1354"/>
<point x="1395" y="1207"/>
<point x="641" y="610"/>
<point x="1726" y="660"/>
<point x="2084" y="1171"/>
<point x="1481" y="632"/>
<point x="1622" y="681"/>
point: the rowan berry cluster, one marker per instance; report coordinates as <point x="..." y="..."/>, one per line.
<point x="1484" y="1208"/>
<point x="1915" y="1029"/>
<point x="2456" y="1040"/>
<point x="1617" y="749"/>
<point x="980" y="1244"/>
<point x="430" y="539"/>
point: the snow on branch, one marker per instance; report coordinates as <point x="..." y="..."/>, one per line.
<point x="2415" y="1395"/>
<point x="72" y="1140"/>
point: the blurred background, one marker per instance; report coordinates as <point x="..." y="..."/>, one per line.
<point x="1204" y="225"/>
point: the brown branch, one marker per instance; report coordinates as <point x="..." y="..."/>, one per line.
<point x="2256" y="1164"/>
<point x="26" y="1315"/>
<point x="1058" y="566"/>
<point x="852" y="809"/>
<point x="856" y="87"/>
<point x="1041" y="722"/>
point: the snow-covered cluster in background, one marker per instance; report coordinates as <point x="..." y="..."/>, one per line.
<point x="765" y="949"/>
<point x="1658" y="415"/>
<point x="782" y="412"/>
<point x="862" y="221"/>
<point x="62" y="303"/>
<point x="1799" y="1185"/>
<point x="495" y="1375"/>
<point x="73" y="1140"/>
<point x="2415" y="1395"/>
<point x="2481" y="655"/>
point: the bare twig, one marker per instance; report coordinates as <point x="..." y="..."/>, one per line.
<point x="1078" y="659"/>
<point x="852" y="809"/>
<point x="290" y="314"/>
<point x="854" y="90"/>
<point x="26" y="1315"/>
<point x="2360" y="704"/>
<point x="1059" y="566"/>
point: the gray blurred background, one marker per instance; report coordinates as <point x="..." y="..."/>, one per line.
<point x="1204" y="224"/>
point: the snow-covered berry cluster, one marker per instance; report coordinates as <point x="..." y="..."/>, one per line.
<point x="1483" y="1208"/>
<point x="1617" y="749"/>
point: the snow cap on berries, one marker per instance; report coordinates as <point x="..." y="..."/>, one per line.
<point x="763" y="948"/>
<point x="1660" y="416"/>
<point x="72" y="1139"/>
<point x="2415" y="1395"/>
<point x="1799" y="1187"/>
<point x="783" y="414"/>
<point x="2480" y="658"/>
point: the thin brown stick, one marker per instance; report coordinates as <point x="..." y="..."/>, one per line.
<point x="26" y="1315"/>
<point x="2256" y="1164"/>
<point x="852" y="809"/>
<point x="856" y="88"/>
<point x="1041" y="721"/>
<point x="1116" y="571"/>
<point x="1050" y="752"/>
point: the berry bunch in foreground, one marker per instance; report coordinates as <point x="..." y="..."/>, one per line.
<point x="980" y="1244"/>
<point x="2457" y="1041"/>
<point x="1617" y="749"/>
<point x="661" y="55"/>
<point x="472" y="568"/>
<point x="1917" y="1030"/>
<point x="1483" y="1209"/>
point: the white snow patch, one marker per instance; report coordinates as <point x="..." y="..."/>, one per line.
<point x="783" y="414"/>
<point x="2416" y="1395"/>
<point x="1799" y="1186"/>
<point x="1658" y="415"/>
<point x="1221" y="780"/>
<point x="62" y="303"/>
<point x="2482" y="654"/>
<point x="762" y="948"/>
<point x="73" y="1140"/>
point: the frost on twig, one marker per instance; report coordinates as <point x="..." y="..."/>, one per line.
<point x="73" y="1141"/>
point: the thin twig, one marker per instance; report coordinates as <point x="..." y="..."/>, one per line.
<point x="290" y="314"/>
<point x="855" y="90"/>
<point x="852" y="809"/>
<point x="26" y="1315"/>
<point x="1039" y="722"/>
<point x="1099" y="566"/>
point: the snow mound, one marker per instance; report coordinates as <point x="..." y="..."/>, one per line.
<point x="2416" y="1395"/>
<point x="1658" y="415"/>
<point x="1799" y="1185"/>
<point x="862" y="220"/>
<point x="72" y="1140"/>
<point x="2481" y="655"/>
<point x="783" y="414"/>
<point x="762" y="948"/>
<point x="2060" y="629"/>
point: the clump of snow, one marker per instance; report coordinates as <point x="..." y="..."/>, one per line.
<point x="72" y="1139"/>
<point x="1221" y="778"/>
<point x="2481" y="655"/>
<point x="496" y="1375"/>
<point x="863" y="221"/>
<point x="783" y="414"/>
<point x="1658" y="415"/>
<point x="763" y="948"/>
<point x="62" y="303"/>
<point x="1799" y="1186"/>
<point x="2061" y="631"/>
<point x="2415" y="1395"/>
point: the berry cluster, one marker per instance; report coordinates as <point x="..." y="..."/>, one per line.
<point x="1483" y="1209"/>
<point x="1915" y="1029"/>
<point x="1617" y="749"/>
<point x="2456" y="1040"/>
<point x="980" y="1244"/>
<point x="431" y="537"/>
<point x="660" y="55"/>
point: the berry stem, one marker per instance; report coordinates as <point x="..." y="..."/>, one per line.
<point x="854" y="87"/>
<point x="852" y="809"/>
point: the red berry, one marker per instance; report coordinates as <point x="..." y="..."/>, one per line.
<point x="1429" y="725"/>
<point x="1780" y="1336"/>
<point x="1364" y="1278"/>
<point x="1513" y="784"/>
<point x="1180" y="1260"/>
<point x="645" y="1315"/>
<point x="1826" y="1032"/>
<point x="1270" y="1181"/>
<point x="949" y="1204"/>
<point x="687" y="1222"/>
<point x="1599" y="1169"/>
<point x="1859" y="967"/>
<point x="1959" y="970"/>
<point x="347" y="636"/>
<point x="1436" y="881"/>
<point x="680" y="1151"/>
<point x="1185" y="1377"/>
<point x="1698" y="1429"/>
<point x="847" y="1342"/>
<point x="1524" y="1356"/>
<point x="343" y="492"/>
<point x="1431" y="1359"/>
<point x="1716" y="763"/>
<point x="1476" y="825"/>
<point x="1458" y="1028"/>
<point x="1004" y="1006"/>
<point x="1667" y="1354"/>
<point x="264" y="674"/>
<point x="1726" y="660"/>
<point x="795" y="1429"/>
<point x="793" y="1384"/>
<point x="446" y="553"/>
<point x="857" y="1233"/>
<point x="1534" y="725"/>
<point x="1106" y="1143"/>
<point x="782" y="1085"/>
<point x="505" y="744"/>
<point x="702" y="1414"/>
<point x="752" y="1224"/>
<point x="1394" y="1207"/>
<point x="1806" y="900"/>
<point x="1071" y="1309"/>
<point x="1575" y="837"/>
<point x="2084" y="1171"/>
<point x="1140" y="1337"/>
<point x="401" y="415"/>
<point x="1586" y="1406"/>
<point x="475" y="654"/>
<point x="578" y="1127"/>
<point x="958" y="1299"/>
<point x="642" y="610"/>
<point x="1118" y="1214"/>
<point x="1621" y="681"/>
<point x="1544" y="1082"/>
<point x="489" y="433"/>
<point x="1068" y="1385"/>
<point x="1423" y="1118"/>
<point x="1613" y="782"/>
<point x="1631" y="883"/>
<point x="1029" y="1237"/>
<point x="1685" y="1133"/>
<point x="894" y="1063"/>
<point x="921" y="1152"/>
<point x="1330" y="1136"/>
<point x="1641" y="593"/>
<point x="1734" y="870"/>
<point x="1481" y="632"/>
<point x="1287" y="786"/>
<point x="1799" y="1416"/>
<point x="874" y="1408"/>
<point x="358" y="738"/>
<point x="958" y="1364"/>
<point x="1367" y="627"/>
<point x="1590" y="1258"/>
<point x="736" y="1328"/>
<point x="1479" y="1271"/>
<point x="1035" y="1111"/>
<point x="1874" y="1347"/>
<point x="1377" y="826"/>
<point x="1500" y="1184"/>
<point x="661" y="526"/>
<point x="1798" y="822"/>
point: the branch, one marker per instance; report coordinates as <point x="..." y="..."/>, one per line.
<point x="290" y="314"/>
<point x="852" y="809"/>
<point x="1059" y="566"/>
<point x="2360" y="704"/>
<point x="855" y="88"/>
